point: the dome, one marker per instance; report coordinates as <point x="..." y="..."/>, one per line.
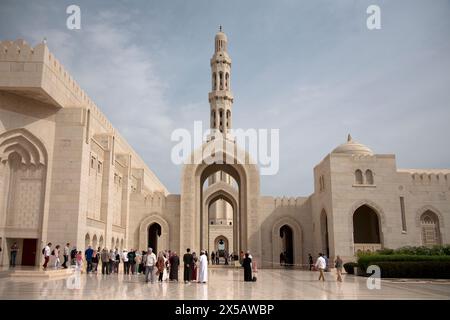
<point x="352" y="147"/>
<point x="221" y="36"/>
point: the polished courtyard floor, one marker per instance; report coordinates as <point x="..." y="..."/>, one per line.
<point x="223" y="284"/>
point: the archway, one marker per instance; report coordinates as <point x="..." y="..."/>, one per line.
<point x="287" y="236"/>
<point x="366" y="229"/>
<point x="214" y="156"/>
<point x="160" y="233"/>
<point x="324" y="233"/>
<point x="287" y="240"/>
<point x="87" y="241"/>
<point x="154" y="232"/>
<point x="430" y="232"/>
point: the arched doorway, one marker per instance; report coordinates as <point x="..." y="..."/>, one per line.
<point x="287" y="237"/>
<point x="219" y="155"/>
<point x="324" y="233"/>
<point x="366" y="229"/>
<point x="429" y="223"/>
<point x="287" y="241"/>
<point x="154" y="233"/>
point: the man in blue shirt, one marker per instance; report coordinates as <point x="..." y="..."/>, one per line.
<point x="88" y="254"/>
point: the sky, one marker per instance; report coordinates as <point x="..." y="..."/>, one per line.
<point x="311" y="69"/>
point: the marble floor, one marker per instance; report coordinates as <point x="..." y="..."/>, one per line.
<point x="223" y="284"/>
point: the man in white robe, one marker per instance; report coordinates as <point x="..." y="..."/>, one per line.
<point x="203" y="270"/>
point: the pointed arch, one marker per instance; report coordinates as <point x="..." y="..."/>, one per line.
<point x="26" y="144"/>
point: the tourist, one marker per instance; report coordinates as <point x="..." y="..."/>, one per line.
<point x="105" y="261"/>
<point x="14" y="249"/>
<point x="95" y="261"/>
<point x="46" y="252"/>
<point x="187" y="260"/>
<point x="73" y="255"/>
<point x="141" y="268"/>
<point x="126" y="263"/>
<point x="88" y="255"/>
<point x="225" y="253"/>
<point x="207" y="256"/>
<point x="311" y="261"/>
<point x="79" y="261"/>
<point x="338" y="265"/>
<point x="150" y="262"/>
<point x="327" y="266"/>
<point x="66" y="255"/>
<point x="241" y="257"/>
<point x="281" y="258"/>
<point x="56" y="255"/>
<point x="217" y="258"/>
<point x="160" y="266"/>
<point x="194" y="267"/>
<point x="321" y="265"/>
<point x="213" y="257"/>
<point x="203" y="270"/>
<point x="112" y="261"/>
<point x="117" y="261"/>
<point x="247" y="264"/>
<point x="174" y="264"/>
<point x="132" y="261"/>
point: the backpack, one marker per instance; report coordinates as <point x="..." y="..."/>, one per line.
<point x="43" y="251"/>
<point x="53" y="252"/>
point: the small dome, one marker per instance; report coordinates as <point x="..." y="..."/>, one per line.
<point x="221" y="36"/>
<point x="352" y="147"/>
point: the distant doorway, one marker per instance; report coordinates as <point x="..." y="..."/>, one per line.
<point x="286" y="235"/>
<point x="29" y="252"/>
<point x="154" y="232"/>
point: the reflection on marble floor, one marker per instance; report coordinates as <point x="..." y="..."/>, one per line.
<point x="223" y="284"/>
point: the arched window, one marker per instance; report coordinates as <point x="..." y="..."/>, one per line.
<point x="227" y="76"/>
<point x="369" y="176"/>
<point x="221" y="80"/>
<point x="429" y="223"/>
<point x="87" y="240"/>
<point x="358" y="177"/>
<point x="214" y="81"/>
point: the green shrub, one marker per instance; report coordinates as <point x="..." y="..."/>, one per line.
<point x="432" y="269"/>
<point x="376" y="259"/>
<point x="385" y="251"/>
<point x="349" y="267"/>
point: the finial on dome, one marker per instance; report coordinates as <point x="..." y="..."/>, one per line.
<point x="349" y="138"/>
<point x="220" y="28"/>
<point x="44" y="41"/>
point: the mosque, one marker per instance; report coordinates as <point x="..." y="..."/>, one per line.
<point x="67" y="175"/>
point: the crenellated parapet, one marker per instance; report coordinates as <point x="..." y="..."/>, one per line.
<point x="428" y="177"/>
<point x="288" y="201"/>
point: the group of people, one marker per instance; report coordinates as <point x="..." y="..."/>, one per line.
<point x="322" y="266"/>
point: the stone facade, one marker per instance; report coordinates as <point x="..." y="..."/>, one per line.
<point x="67" y="175"/>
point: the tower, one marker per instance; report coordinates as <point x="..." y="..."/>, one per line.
<point x="220" y="98"/>
<point x="221" y="101"/>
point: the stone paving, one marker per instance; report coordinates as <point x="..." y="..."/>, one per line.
<point x="225" y="284"/>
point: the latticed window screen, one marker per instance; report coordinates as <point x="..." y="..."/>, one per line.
<point x="430" y="230"/>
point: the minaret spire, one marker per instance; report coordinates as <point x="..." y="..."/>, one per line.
<point x="220" y="97"/>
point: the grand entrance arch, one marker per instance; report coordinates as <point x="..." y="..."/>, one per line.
<point x="229" y="159"/>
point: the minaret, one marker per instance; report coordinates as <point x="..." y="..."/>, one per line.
<point x="221" y="102"/>
<point x="220" y="97"/>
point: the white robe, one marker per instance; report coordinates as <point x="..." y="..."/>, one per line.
<point x="203" y="269"/>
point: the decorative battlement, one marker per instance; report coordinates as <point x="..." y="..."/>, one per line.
<point x="433" y="176"/>
<point x="288" y="201"/>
